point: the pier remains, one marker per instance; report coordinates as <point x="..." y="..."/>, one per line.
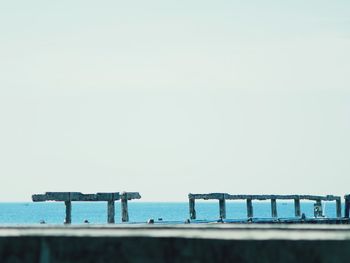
<point x="318" y="213"/>
<point x="110" y="198"/>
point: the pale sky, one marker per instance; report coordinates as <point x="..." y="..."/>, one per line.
<point x="171" y="97"/>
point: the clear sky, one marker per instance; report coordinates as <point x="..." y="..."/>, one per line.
<point x="172" y="97"/>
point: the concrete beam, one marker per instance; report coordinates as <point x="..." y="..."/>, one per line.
<point x="262" y="197"/>
<point x="74" y="196"/>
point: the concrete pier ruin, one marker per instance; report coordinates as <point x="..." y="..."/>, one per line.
<point x="318" y="213"/>
<point x="110" y="198"/>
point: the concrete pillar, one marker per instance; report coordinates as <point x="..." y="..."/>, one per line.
<point x="111" y="212"/>
<point x="124" y="204"/>
<point x="297" y="207"/>
<point x="192" y="208"/>
<point x="338" y="206"/>
<point x="273" y="208"/>
<point x="68" y="219"/>
<point x="249" y="208"/>
<point x="318" y="209"/>
<point x="222" y="208"/>
<point x="347" y="206"/>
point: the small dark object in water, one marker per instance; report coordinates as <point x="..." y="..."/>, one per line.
<point x="86" y="221"/>
<point x="160" y="219"/>
<point x="303" y="216"/>
<point x="187" y="221"/>
<point x="150" y="221"/>
<point x="42" y="222"/>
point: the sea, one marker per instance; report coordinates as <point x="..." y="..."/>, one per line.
<point x="28" y="213"/>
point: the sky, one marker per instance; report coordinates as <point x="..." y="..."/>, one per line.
<point x="172" y="97"/>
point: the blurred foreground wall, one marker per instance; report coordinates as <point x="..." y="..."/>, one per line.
<point x="174" y="244"/>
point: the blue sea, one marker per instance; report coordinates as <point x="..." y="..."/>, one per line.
<point x="140" y="212"/>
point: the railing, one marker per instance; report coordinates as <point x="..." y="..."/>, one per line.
<point x="222" y="197"/>
<point x="110" y="198"/>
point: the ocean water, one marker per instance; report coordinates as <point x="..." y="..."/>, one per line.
<point x="140" y="212"/>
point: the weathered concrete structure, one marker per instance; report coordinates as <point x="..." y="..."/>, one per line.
<point x="222" y="197"/>
<point x="186" y="243"/>
<point x="347" y="206"/>
<point x="110" y="198"/>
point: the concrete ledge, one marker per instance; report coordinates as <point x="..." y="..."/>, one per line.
<point x="205" y="243"/>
